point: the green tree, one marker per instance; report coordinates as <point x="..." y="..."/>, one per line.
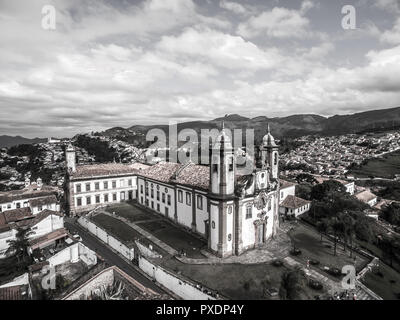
<point x="291" y="283"/>
<point x="322" y="227"/>
<point x="391" y="213"/>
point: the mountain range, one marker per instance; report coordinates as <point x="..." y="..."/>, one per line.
<point x="9" y="141"/>
<point x="290" y="126"/>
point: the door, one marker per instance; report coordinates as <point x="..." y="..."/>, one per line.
<point x="261" y="234"/>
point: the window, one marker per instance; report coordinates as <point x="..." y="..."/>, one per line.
<point x="188" y="199"/>
<point x="152" y="193"/>
<point x="231" y="164"/>
<point x="87" y="186"/>
<point x="114" y="197"/>
<point x="1" y="209"/>
<point x="78" y="188"/>
<point x="141" y="189"/>
<point x="166" y="211"/>
<point x="166" y="190"/>
<point x="141" y="200"/>
<point x="106" y="198"/>
<point x="158" y="195"/>
<point x="147" y="190"/>
<point x="105" y="185"/>
<point x="88" y="200"/>
<point x="97" y="199"/>
<point x="97" y="186"/>
<point x="130" y="182"/>
<point x="269" y="205"/>
<point x="163" y="198"/>
<point x="281" y="194"/>
<point x="230" y="209"/>
<point x="199" y="202"/>
<point x="78" y="203"/>
<point x="275" y="158"/>
<point x="180" y="196"/>
<point x="9" y="206"/>
<point x="114" y="185"/>
<point x="215" y="167"/>
<point x="158" y="207"/>
<point x="122" y="183"/>
<point x="229" y="237"/>
<point x="18" y="205"/>
<point x="152" y="204"/>
<point x="249" y="212"/>
<point x="213" y="224"/>
<point x="122" y="196"/>
<point x="169" y="200"/>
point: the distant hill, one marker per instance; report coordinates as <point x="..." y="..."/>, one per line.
<point x="9" y="141"/>
<point x="290" y="126"/>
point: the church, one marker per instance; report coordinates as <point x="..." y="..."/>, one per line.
<point x="232" y="212"/>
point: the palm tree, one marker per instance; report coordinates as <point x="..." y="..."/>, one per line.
<point x="335" y="226"/>
<point x="322" y="227"/>
<point x="19" y="246"/>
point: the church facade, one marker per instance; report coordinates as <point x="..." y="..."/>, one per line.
<point x="233" y="212"/>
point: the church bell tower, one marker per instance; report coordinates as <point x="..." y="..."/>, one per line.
<point x="270" y="154"/>
<point x="221" y="195"/>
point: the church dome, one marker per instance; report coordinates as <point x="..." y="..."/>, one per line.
<point x="268" y="139"/>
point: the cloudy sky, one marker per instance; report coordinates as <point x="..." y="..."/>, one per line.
<point x="119" y="63"/>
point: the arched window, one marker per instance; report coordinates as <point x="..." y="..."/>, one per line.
<point x="275" y="158"/>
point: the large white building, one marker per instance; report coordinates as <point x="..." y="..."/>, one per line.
<point x="232" y="212"/>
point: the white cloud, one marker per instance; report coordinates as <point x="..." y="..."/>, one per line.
<point x="233" y="6"/>
<point x="278" y="23"/>
<point x="392" y="36"/>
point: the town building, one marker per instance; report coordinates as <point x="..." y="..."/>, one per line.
<point x="294" y="206"/>
<point x="35" y="196"/>
<point x="90" y="186"/>
<point x="232" y="212"/>
<point x="367" y="197"/>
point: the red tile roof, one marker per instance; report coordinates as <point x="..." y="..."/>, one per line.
<point x="37" y="202"/>
<point x="27" y="193"/>
<point x="186" y="174"/>
<point x="294" y="202"/>
<point x="14" y="293"/>
<point x="15" y="215"/>
<point x="107" y="169"/>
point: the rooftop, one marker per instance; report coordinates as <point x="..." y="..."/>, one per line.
<point x="293" y="202"/>
<point x="286" y="184"/>
<point x="365" y="196"/>
<point x="37" y="202"/>
<point x="15" y="215"/>
<point x="107" y="169"/>
<point x="186" y="174"/>
<point x="27" y="193"/>
<point x="19" y="292"/>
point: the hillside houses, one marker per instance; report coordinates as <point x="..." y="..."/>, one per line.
<point x="334" y="155"/>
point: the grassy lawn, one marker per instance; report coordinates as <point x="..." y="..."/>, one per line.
<point x="383" y="168"/>
<point x="309" y="242"/>
<point x="176" y="237"/>
<point x="117" y="228"/>
<point x="384" y="281"/>
<point x="130" y="212"/>
<point x="161" y="228"/>
<point x="238" y="281"/>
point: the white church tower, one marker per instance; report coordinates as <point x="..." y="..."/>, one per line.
<point x="221" y="195"/>
<point x="70" y="158"/>
<point x="270" y="154"/>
